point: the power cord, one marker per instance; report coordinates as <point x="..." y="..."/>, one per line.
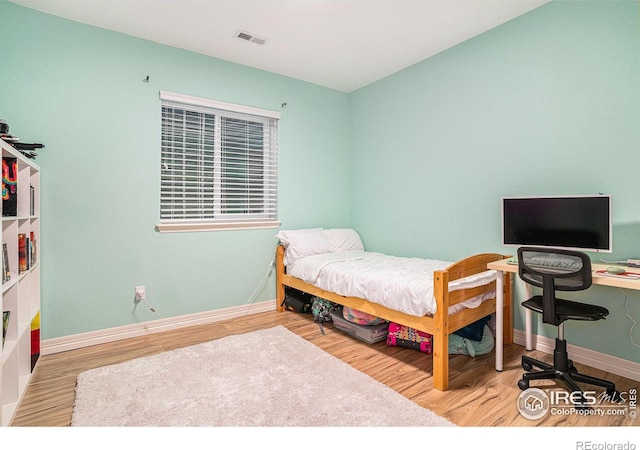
<point x="626" y="312"/>
<point x="258" y="288"/>
<point x="261" y="284"/>
<point x="151" y="307"/>
<point x="249" y="301"/>
<point x="262" y="281"/>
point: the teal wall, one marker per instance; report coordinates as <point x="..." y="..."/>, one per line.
<point x="79" y="90"/>
<point x="546" y="104"/>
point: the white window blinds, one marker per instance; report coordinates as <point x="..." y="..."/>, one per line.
<point x="218" y="165"/>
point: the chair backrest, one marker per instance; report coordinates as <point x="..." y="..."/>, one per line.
<point x="554" y="270"/>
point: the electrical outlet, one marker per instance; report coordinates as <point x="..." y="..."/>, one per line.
<point x="140" y="294"/>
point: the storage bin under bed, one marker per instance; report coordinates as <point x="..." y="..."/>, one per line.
<point x="367" y="333"/>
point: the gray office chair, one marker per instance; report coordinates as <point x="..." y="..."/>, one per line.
<point x="559" y="270"/>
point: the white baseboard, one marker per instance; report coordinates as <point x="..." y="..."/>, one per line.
<point x="591" y="358"/>
<point x="75" y="341"/>
<point x="612" y="364"/>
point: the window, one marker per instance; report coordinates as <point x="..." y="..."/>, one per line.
<point x="218" y="165"/>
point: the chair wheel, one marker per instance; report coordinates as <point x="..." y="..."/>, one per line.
<point x="523" y="384"/>
<point x="526" y="366"/>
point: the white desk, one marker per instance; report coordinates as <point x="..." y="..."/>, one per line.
<point x="503" y="266"/>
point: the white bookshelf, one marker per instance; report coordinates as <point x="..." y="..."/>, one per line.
<point x="21" y="293"/>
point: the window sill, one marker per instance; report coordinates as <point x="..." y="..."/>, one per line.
<point x="199" y="226"/>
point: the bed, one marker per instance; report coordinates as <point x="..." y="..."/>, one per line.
<point x="442" y="296"/>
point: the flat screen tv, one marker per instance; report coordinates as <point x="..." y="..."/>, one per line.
<point x="572" y="222"/>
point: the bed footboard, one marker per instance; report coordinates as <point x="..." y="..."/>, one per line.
<point x="446" y="324"/>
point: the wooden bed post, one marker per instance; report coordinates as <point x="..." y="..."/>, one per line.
<point x="279" y="273"/>
<point x="441" y="335"/>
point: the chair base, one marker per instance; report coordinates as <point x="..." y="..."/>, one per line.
<point x="564" y="370"/>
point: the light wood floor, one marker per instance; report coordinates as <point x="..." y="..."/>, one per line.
<point x="478" y="395"/>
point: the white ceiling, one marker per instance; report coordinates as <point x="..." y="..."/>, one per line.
<point x="340" y="44"/>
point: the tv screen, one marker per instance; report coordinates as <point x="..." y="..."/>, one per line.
<point x="578" y="222"/>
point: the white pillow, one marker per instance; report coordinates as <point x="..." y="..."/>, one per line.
<point x="301" y="243"/>
<point x="344" y="239"/>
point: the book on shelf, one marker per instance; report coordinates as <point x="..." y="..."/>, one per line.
<point x="9" y="187"/>
<point x="35" y="340"/>
<point x="32" y="201"/>
<point x="6" y="270"/>
<point x="33" y="257"/>
<point x="5" y="324"/>
<point x="23" y="256"/>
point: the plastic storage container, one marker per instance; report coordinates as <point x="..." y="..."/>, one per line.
<point x="367" y="333"/>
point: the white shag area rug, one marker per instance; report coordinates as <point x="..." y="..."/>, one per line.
<point x="270" y="377"/>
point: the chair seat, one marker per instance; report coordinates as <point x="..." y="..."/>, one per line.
<point x="568" y="310"/>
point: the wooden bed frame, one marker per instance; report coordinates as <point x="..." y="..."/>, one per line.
<point x="441" y="324"/>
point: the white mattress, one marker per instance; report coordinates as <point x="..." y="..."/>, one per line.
<point x="400" y="283"/>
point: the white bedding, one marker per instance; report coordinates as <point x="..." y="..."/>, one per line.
<point x="400" y="283"/>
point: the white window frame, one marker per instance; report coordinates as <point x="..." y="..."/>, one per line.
<point x="194" y="195"/>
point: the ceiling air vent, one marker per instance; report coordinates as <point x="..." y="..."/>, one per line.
<point x="250" y="38"/>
